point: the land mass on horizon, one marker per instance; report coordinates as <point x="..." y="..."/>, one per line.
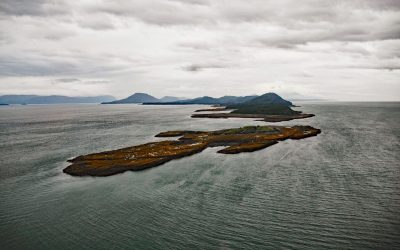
<point x="144" y="98"/>
<point x="268" y="107"/>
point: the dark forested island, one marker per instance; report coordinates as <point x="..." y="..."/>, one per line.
<point x="236" y="140"/>
<point x="269" y="107"/>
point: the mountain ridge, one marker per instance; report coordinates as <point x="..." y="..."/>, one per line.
<point x="207" y="100"/>
<point x="135" y="98"/>
<point x="144" y="98"/>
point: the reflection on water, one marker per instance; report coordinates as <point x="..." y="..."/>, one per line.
<point x="340" y="189"/>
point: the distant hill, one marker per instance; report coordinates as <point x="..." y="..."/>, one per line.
<point x="170" y="99"/>
<point x="53" y="99"/>
<point x="269" y="99"/>
<point x="135" y="98"/>
<point x="269" y="104"/>
<point x="144" y="98"/>
<point x="202" y="100"/>
<point x="16" y="99"/>
<point x="236" y="99"/>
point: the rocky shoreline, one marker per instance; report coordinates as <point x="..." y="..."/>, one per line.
<point x="212" y="109"/>
<point x="236" y="140"/>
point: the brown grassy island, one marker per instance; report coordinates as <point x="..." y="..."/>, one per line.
<point x="237" y="140"/>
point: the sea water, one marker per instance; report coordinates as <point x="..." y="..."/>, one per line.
<point x="340" y="189"/>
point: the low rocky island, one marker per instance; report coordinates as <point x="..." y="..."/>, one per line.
<point x="236" y="140"/>
<point x="212" y="109"/>
<point x="262" y="117"/>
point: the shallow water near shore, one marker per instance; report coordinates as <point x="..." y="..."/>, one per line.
<point x="340" y="189"/>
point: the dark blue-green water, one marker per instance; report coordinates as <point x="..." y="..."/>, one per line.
<point x="339" y="190"/>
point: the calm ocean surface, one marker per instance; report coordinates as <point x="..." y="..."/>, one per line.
<point x="340" y="189"/>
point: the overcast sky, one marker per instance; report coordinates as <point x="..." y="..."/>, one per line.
<point x="342" y="50"/>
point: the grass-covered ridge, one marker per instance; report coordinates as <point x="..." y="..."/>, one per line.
<point x="250" y="129"/>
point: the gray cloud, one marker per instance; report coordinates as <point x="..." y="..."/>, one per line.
<point x="35" y="63"/>
<point x="13" y="66"/>
<point x="31" y="7"/>
<point x="96" y="22"/>
<point x="195" y="2"/>
<point x="390" y="68"/>
<point x="62" y="80"/>
<point x="95" y="82"/>
<point x="387" y="66"/>
<point x="166" y="13"/>
<point x="4" y="39"/>
<point x="196" y="45"/>
<point x="24" y="7"/>
<point x="383" y="4"/>
<point x="199" y="67"/>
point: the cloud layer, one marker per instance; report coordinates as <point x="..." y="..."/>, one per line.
<point x="344" y="50"/>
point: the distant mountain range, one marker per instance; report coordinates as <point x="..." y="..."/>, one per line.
<point x="135" y="98"/>
<point x="268" y="103"/>
<point x="170" y="99"/>
<point x="52" y="99"/>
<point x="147" y="99"/>
<point x="240" y="103"/>
<point x="144" y="98"/>
<point x="206" y="100"/>
<point x="265" y="99"/>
